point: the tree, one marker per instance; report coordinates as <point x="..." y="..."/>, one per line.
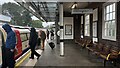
<point x="19" y="15"/>
<point x="26" y="18"/>
<point x="37" y="23"/>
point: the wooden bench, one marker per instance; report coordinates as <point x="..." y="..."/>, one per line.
<point x="106" y="52"/>
<point x="83" y="42"/>
<point x="110" y="55"/>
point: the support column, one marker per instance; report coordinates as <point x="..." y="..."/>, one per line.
<point x="57" y="29"/>
<point x="61" y="29"/>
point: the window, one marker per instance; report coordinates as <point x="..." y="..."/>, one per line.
<point x="109" y="22"/>
<point x="23" y="37"/>
<point x="82" y="31"/>
<point x="87" y="25"/>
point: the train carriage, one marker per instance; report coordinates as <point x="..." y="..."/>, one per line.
<point x="22" y="38"/>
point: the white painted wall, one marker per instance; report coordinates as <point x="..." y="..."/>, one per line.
<point x="69" y="21"/>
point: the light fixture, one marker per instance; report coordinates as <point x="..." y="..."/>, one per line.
<point x="74" y="5"/>
<point x="24" y="1"/>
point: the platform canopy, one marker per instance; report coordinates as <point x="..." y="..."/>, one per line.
<point x="45" y="11"/>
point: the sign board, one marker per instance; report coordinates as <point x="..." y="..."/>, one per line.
<point x="82" y="11"/>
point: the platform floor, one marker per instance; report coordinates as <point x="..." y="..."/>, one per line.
<point x="75" y="56"/>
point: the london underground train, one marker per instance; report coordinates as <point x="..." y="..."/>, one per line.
<point x="22" y="39"/>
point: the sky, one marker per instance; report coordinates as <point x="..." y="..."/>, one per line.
<point x="44" y="23"/>
<point x="47" y="23"/>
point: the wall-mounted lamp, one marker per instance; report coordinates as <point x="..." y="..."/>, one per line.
<point x="74" y="5"/>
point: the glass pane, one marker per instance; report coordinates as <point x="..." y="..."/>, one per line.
<point x="105" y="16"/>
<point x="113" y="25"/>
<point x="108" y="17"/>
<point x="114" y="7"/>
<point x="113" y="15"/>
<point x="23" y="37"/>
<point x="95" y="29"/>
<point x="109" y="32"/>
<point x="110" y="25"/>
<point x="87" y="17"/>
<point x="108" y="9"/>
<point x="113" y="32"/>
<point x="111" y="6"/>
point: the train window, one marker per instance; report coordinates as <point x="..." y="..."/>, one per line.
<point x="23" y="37"/>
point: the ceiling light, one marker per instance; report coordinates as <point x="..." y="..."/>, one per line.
<point x="74" y="5"/>
<point x="24" y="1"/>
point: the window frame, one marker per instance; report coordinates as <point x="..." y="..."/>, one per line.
<point x="113" y="38"/>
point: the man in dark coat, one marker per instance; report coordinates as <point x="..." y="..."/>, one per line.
<point x="33" y="43"/>
<point x="9" y="47"/>
<point x="47" y="34"/>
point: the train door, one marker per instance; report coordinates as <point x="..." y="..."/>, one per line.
<point x="24" y="39"/>
<point x="0" y="49"/>
<point x="18" y="44"/>
<point x="2" y="44"/>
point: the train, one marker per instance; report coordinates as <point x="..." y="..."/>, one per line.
<point x="22" y="39"/>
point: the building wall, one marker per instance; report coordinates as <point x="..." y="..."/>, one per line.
<point x="77" y="22"/>
<point x="77" y="26"/>
<point x="99" y="27"/>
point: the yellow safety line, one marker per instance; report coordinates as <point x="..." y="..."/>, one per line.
<point x="22" y="60"/>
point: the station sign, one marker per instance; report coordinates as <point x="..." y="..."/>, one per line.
<point x="82" y="11"/>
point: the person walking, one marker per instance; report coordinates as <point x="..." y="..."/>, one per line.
<point x="52" y="34"/>
<point x="33" y="43"/>
<point x="47" y="34"/>
<point x="43" y="37"/>
<point x="9" y="47"/>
